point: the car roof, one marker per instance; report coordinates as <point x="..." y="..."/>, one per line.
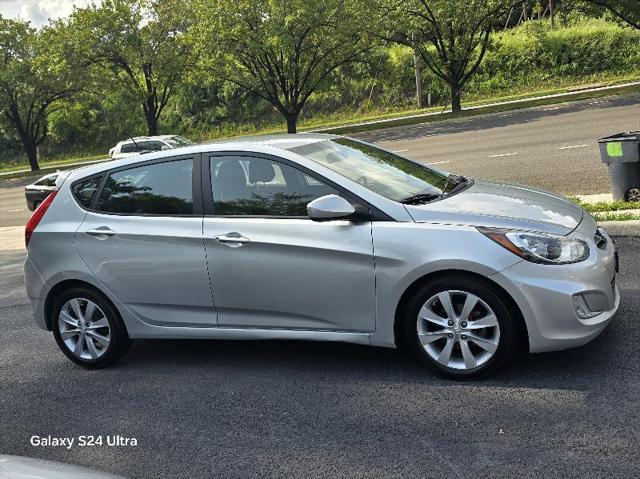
<point x="142" y="138"/>
<point x="256" y="144"/>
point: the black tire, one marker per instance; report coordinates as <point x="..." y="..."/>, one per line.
<point x="119" y="339"/>
<point x="632" y="195"/>
<point x="508" y="333"/>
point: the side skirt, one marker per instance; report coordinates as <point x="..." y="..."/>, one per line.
<point x="161" y="332"/>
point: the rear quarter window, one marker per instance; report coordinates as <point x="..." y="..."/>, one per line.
<point x="85" y="191"/>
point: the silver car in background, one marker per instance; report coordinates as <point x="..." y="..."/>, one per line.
<point x="315" y="237"/>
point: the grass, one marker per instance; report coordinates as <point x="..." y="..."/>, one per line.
<point x="606" y="206"/>
<point x="398" y="120"/>
<point x="47" y="165"/>
<point x="349" y="123"/>
<point x="615" y="216"/>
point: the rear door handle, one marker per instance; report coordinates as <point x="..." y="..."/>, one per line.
<point x="101" y="233"/>
<point x="233" y="240"/>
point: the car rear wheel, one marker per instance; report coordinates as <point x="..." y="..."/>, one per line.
<point x="459" y="327"/>
<point x="88" y="329"/>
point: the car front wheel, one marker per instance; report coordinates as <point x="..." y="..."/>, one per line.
<point x="459" y="327"/>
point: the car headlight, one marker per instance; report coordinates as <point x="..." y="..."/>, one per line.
<point x="538" y="247"/>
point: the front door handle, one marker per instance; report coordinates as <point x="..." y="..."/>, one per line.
<point x="101" y="233"/>
<point x="232" y="240"/>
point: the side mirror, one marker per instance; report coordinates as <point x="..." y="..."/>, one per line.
<point x="330" y="207"/>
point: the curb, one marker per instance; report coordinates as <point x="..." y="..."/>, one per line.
<point x="44" y="171"/>
<point x="621" y="228"/>
<point x="416" y="118"/>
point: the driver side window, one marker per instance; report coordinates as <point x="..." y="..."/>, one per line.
<point x="249" y="186"/>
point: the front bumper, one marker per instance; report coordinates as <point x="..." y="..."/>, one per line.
<point x="545" y="293"/>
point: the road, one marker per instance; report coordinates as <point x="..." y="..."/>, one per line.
<point x="203" y="409"/>
<point x="552" y="147"/>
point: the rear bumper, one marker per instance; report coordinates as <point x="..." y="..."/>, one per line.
<point x="545" y="294"/>
<point x="35" y="292"/>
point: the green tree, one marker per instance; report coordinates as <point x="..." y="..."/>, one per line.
<point x="281" y="50"/>
<point x="626" y="10"/>
<point x="451" y="36"/>
<point x="34" y="79"/>
<point x="140" y="42"/>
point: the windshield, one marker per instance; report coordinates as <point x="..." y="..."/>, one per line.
<point x="177" y="141"/>
<point x="383" y="172"/>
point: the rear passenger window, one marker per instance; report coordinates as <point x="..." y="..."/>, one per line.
<point x="128" y="148"/>
<point x="156" y="189"/>
<point x="86" y="190"/>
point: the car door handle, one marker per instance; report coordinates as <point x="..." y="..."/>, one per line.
<point x="101" y="233"/>
<point x="233" y="240"/>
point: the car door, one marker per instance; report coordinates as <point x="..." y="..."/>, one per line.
<point x="270" y="265"/>
<point x="142" y="238"/>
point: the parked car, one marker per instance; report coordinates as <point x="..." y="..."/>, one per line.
<point x="36" y="192"/>
<point x="145" y="144"/>
<point x="17" y="467"/>
<point x="315" y="237"/>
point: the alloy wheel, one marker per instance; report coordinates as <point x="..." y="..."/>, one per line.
<point x="633" y="195"/>
<point x="458" y="330"/>
<point x="84" y="329"/>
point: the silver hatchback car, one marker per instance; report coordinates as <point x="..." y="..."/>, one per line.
<point x="314" y="237"/>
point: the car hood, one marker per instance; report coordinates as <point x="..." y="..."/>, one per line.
<point x="500" y="205"/>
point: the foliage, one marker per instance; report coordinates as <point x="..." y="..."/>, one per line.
<point x="282" y="51"/>
<point x="451" y="36"/>
<point x="34" y="79"/>
<point x="626" y="10"/>
<point x="139" y="42"/>
<point x="127" y="63"/>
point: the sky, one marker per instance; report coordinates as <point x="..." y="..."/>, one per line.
<point x="39" y="11"/>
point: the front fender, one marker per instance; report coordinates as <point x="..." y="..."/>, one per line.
<point x="407" y="252"/>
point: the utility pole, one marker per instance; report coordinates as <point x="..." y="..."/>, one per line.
<point x="416" y="62"/>
<point x="418" y="72"/>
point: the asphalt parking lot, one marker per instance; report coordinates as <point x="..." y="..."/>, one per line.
<point x="203" y="409"/>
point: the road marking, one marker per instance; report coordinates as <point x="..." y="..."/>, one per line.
<point x="571" y="146"/>
<point x="503" y="154"/>
<point x="400" y="151"/>
<point x="15" y="211"/>
<point x="439" y="163"/>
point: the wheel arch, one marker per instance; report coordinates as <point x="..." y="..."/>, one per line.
<point x="65" y="285"/>
<point x="521" y="326"/>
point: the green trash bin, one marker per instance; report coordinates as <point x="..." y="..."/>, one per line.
<point x="621" y="153"/>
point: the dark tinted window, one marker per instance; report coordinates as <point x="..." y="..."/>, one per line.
<point x="159" y="189"/>
<point x="151" y="145"/>
<point x="86" y="190"/>
<point x="128" y="148"/>
<point x="261" y="187"/>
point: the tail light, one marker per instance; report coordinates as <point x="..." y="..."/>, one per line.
<point x="37" y="216"/>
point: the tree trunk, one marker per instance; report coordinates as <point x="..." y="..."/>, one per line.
<point x="418" y="73"/>
<point x="28" y="143"/>
<point x="292" y="122"/>
<point x="152" y="122"/>
<point x="31" y="150"/>
<point x="456" y="102"/>
<point x="552" y="14"/>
